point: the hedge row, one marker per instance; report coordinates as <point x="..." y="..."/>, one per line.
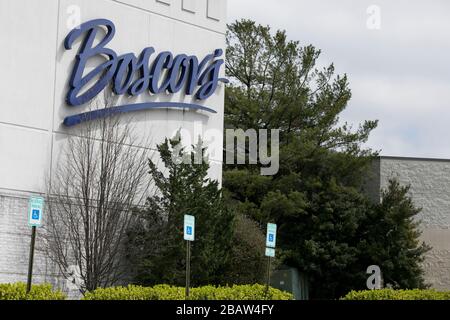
<point x="390" y="294"/>
<point x="18" y="291"/>
<point x="165" y="292"/>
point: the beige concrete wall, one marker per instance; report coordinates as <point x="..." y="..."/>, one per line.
<point x="430" y="190"/>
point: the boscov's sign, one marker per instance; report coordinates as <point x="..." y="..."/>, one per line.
<point x="132" y="75"/>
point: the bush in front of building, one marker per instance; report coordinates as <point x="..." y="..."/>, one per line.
<point x="18" y="291"/>
<point x="240" y="292"/>
<point x="166" y="292"/>
<point x="133" y="292"/>
<point x="391" y="294"/>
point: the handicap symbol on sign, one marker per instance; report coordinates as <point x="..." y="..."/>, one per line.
<point x="189" y="231"/>
<point x="271" y="237"/>
<point x="35" y="214"/>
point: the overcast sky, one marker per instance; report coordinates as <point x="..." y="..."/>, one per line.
<point x="398" y="66"/>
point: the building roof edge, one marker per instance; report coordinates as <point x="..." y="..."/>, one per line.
<point x="413" y="158"/>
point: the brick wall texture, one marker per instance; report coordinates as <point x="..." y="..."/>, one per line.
<point x="15" y="238"/>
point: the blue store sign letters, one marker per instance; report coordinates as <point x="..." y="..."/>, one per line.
<point x="128" y="74"/>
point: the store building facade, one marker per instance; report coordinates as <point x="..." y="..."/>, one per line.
<point x="48" y="49"/>
<point x="40" y="106"/>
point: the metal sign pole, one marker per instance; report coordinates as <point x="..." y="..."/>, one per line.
<point x="30" y="263"/>
<point x="188" y="268"/>
<point x="189" y="235"/>
<point x="271" y="240"/>
<point x="35" y="213"/>
<point x="268" y="275"/>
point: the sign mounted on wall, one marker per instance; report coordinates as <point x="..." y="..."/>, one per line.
<point x="132" y="75"/>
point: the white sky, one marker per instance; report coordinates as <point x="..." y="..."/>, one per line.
<point x="399" y="74"/>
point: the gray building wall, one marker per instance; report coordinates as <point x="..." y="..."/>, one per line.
<point x="429" y="180"/>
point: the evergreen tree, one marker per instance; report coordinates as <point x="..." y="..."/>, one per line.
<point x="248" y="263"/>
<point x="156" y="245"/>
<point x="391" y="239"/>
<point x="316" y="197"/>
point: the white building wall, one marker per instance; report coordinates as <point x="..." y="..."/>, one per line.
<point x="35" y="73"/>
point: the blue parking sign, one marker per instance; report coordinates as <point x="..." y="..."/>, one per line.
<point x="271" y="238"/>
<point x="35" y="214"/>
<point x="189" y="228"/>
<point x="35" y="211"/>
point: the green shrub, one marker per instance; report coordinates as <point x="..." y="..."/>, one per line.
<point x="239" y="292"/>
<point x="165" y="292"/>
<point x="17" y="291"/>
<point x="391" y="294"/>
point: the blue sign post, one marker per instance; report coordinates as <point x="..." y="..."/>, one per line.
<point x="35" y="212"/>
<point x="189" y="228"/>
<point x="189" y="236"/>
<point x="271" y="240"/>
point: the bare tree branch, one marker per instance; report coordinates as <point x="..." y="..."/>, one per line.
<point x="98" y="182"/>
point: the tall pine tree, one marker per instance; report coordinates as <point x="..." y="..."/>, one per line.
<point x="317" y="197"/>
